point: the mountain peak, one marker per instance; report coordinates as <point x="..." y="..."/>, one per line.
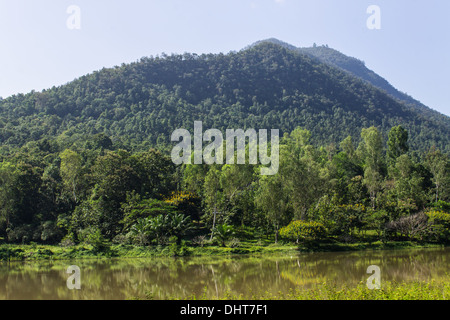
<point x="274" y="41"/>
<point x="356" y="68"/>
<point x="274" y="85"/>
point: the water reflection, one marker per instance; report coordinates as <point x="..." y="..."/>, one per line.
<point x="167" y="278"/>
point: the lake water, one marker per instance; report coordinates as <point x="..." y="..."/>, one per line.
<point x="166" y="278"/>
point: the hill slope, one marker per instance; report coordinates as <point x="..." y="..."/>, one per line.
<point x="358" y="69"/>
<point x="266" y="85"/>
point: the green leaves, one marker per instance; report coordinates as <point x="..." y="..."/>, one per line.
<point x="303" y="231"/>
<point x="71" y="170"/>
<point x="397" y="143"/>
<point x="223" y="232"/>
<point x="161" y="226"/>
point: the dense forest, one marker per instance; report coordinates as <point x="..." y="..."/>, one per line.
<point x="89" y="162"/>
<point x="97" y="193"/>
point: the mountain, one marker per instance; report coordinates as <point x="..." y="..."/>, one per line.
<point x="266" y="85"/>
<point x="358" y="69"/>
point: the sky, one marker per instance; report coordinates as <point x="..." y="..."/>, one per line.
<point x="46" y="43"/>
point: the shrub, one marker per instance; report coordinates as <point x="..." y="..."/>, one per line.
<point x="160" y="227"/>
<point x="67" y="242"/>
<point x="97" y="241"/>
<point x="185" y="202"/>
<point x="414" y="226"/>
<point x="440" y="224"/>
<point x="304" y="231"/>
<point x="223" y="232"/>
<point x="177" y="248"/>
<point x="234" y="243"/>
<point x="199" y="241"/>
<point x="349" y="217"/>
<point x="442" y="206"/>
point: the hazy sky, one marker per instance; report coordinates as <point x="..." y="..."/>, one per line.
<point x="38" y="49"/>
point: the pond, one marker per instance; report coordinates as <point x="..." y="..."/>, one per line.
<point x="212" y="277"/>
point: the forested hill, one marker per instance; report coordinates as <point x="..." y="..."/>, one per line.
<point x="358" y="69"/>
<point x="263" y="86"/>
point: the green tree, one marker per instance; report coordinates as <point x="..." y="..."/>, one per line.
<point x="223" y="232"/>
<point x="71" y="171"/>
<point x="408" y="182"/>
<point x="156" y="173"/>
<point x="114" y="178"/>
<point x="213" y="197"/>
<point x="397" y="144"/>
<point x="305" y="231"/>
<point x="238" y="182"/>
<point x="304" y="179"/>
<point x="8" y="176"/>
<point x="371" y="150"/>
<point x="348" y="147"/>
<point x="273" y="200"/>
<point x="438" y="164"/>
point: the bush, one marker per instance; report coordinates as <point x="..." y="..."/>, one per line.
<point x="304" y="231"/>
<point x="159" y="228"/>
<point x="414" y="226"/>
<point x="199" y="241"/>
<point x="223" y="232"/>
<point x="50" y="232"/>
<point x="11" y="254"/>
<point x="21" y="234"/>
<point x="349" y="217"/>
<point x="442" y="206"/>
<point x="440" y="224"/>
<point x="178" y="248"/>
<point x="67" y="242"/>
<point x="97" y="241"/>
<point x="234" y="243"/>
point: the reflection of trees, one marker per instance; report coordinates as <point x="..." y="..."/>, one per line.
<point x="396" y="265"/>
<point x="167" y="278"/>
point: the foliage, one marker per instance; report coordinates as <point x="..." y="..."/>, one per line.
<point x="223" y="232"/>
<point x="96" y="239"/>
<point x="414" y="226"/>
<point x="161" y="227"/>
<point x="440" y="224"/>
<point x="305" y="231"/>
<point x="185" y="202"/>
<point x="89" y="161"/>
<point x="140" y="104"/>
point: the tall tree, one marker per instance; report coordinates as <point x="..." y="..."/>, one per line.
<point x="371" y="150"/>
<point x="438" y="164"/>
<point x="272" y="199"/>
<point x="213" y="196"/>
<point x="71" y="170"/>
<point x="348" y="147"/>
<point x="397" y="144"/>
<point x="8" y="176"/>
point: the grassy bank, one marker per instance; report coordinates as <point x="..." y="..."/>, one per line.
<point x="84" y="251"/>
<point x="415" y="290"/>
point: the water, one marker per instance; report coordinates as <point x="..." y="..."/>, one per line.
<point x="212" y="277"/>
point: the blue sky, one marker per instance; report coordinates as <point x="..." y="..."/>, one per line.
<point x="38" y="50"/>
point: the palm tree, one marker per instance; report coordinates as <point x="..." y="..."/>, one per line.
<point x="223" y="232"/>
<point x="140" y="230"/>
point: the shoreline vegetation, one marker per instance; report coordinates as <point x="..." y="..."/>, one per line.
<point x="35" y="252"/>
<point x="390" y="290"/>
<point x="109" y="202"/>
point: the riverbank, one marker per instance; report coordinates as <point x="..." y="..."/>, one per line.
<point x="13" y="252"/>
<point x="389" y="290"/>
